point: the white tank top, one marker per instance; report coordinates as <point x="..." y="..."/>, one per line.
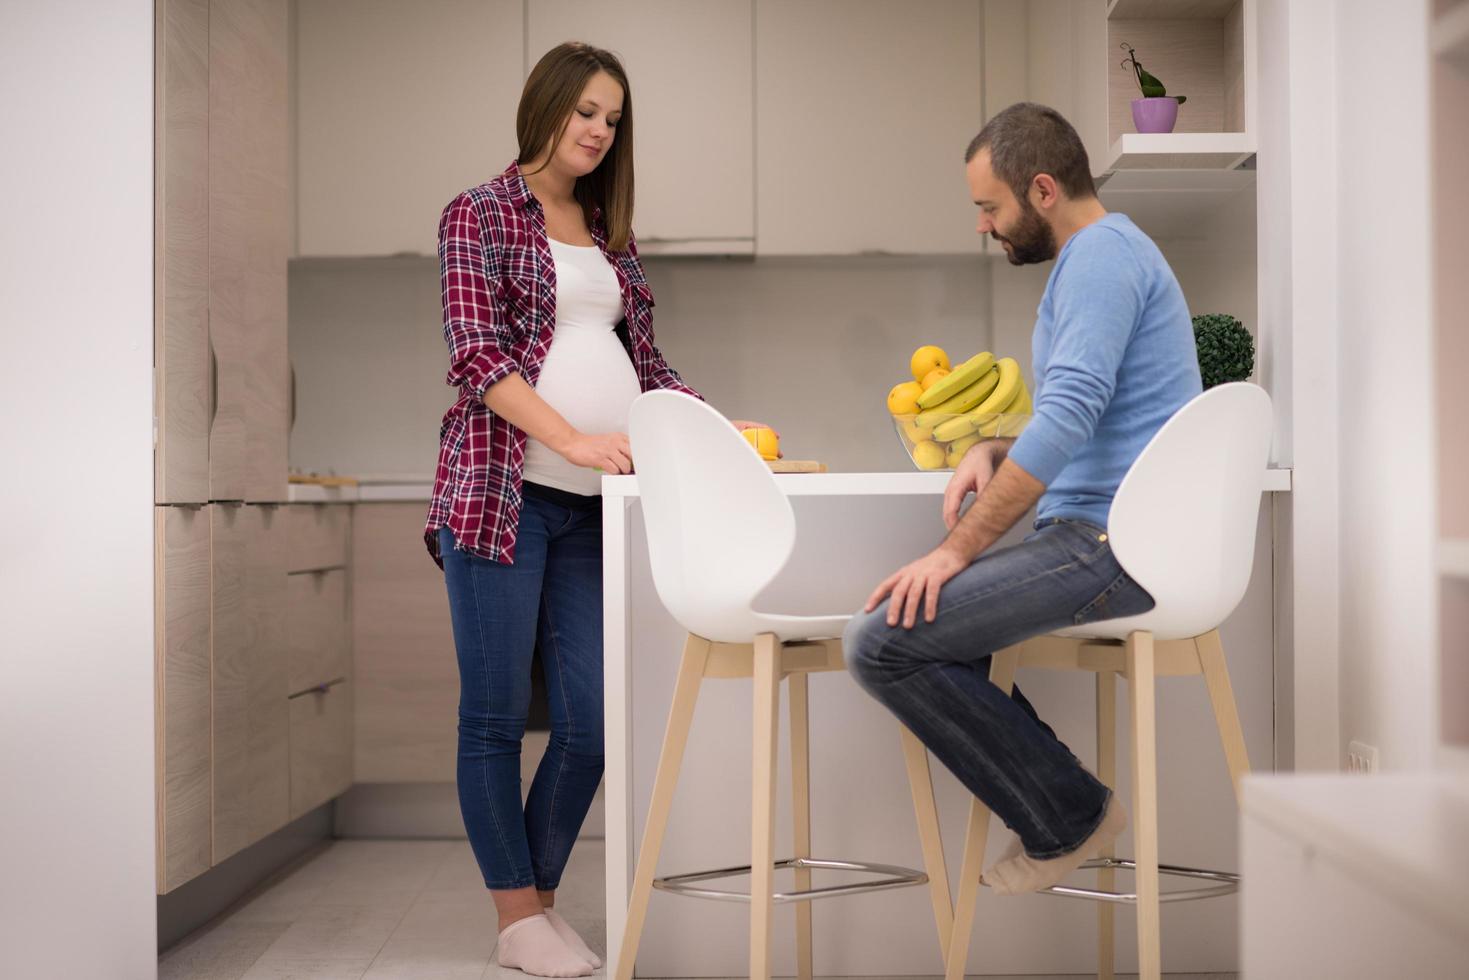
<point x="587" y="375"/>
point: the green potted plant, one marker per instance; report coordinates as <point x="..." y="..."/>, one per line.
<point x="1156" y="111"/>
<point x="1225" y="348"/>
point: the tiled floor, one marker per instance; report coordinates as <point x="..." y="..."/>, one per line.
<point x="387" y="910"/>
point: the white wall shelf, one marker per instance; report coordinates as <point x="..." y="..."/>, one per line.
<point x="1179" y="151"/>
<point x="1449" y="37"/>
<point x="1169" y="9"/>
<point x="1453" y="557"/>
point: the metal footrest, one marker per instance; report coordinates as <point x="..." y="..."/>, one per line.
<point x="894" y="877"/>
<point x="1227" y="883"/>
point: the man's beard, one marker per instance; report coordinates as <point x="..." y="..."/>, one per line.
<point x="1031" y="240"/>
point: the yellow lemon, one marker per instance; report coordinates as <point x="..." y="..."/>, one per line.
<point x="931" y="377"/>
<point x="916" y="433"/>
<point x="903" y="399"/>
<point x="765" y="442"/>
<point x="928" y="455"/>
<point x="925" y="359"/>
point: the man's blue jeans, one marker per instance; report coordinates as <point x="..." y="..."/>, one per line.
<point x="935" y="676"/>
<point x="552" y="598"/>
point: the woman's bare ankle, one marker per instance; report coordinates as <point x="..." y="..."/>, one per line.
<point x="514" y="904"/>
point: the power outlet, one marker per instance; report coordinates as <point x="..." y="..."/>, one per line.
<point x="1361" y="757"/>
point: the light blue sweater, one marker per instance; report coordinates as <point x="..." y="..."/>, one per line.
<point x="1113" y="356"/>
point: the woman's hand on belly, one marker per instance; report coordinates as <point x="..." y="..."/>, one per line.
<point x="609" y="452"/>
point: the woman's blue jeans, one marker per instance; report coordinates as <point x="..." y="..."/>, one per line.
<point x="552" y="598"/>
<point x="935" y="676"/>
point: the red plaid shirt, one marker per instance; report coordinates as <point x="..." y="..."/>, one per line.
<point x="499" y="292"/>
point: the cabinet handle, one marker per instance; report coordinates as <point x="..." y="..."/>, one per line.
<point x="291" y="426"/>
<point x="213" y="385"/>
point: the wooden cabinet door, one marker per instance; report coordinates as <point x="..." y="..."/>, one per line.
<point x="321" y="746"/>
<point x="863" y="110"/>
<point x="405" y="672"/>
<point x="181" y="694"/>
<point x="318" y="628"/>
<point x="181" y="252"/>
<point x="399" y="107"/>
<point x="250" y="714"/>
<point x="689" y="64"/>
<point x="249" y="224"/>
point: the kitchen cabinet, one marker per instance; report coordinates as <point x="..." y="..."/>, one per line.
<point x="222" y="220"/>
<point x="249" y="227"/>
<point x="250" y="717"/>
<point x="182" y="700"/>
<point x="318" y="626"/>
<point x="181" y="252"/>
<point x="399" y="107"/>
<point x="693" y="104"/>
<point x="405" y="668"/>
<point x="863" y="111"/>
<point x="321" y="745"/>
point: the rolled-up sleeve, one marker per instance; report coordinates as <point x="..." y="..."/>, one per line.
<point x="475" y="326"/>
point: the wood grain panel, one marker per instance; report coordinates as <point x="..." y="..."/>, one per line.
<point x="404" y="667"/>
<point x="181" y="252"/>
<point x="249" y="214"/>
<point x="250" y="718"/>
<point x="181" y="695"/>
<point x="321" y="747"/>
<point x="316" y="536"/>
<point x="318" y="628"/>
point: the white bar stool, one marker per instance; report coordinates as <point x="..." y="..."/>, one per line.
<point x="719" y="530"/>
<point x="1202" y="472"/>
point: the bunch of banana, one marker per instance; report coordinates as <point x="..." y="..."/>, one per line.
<point x="944" y="412"/>
<point x="1007" y="391"/>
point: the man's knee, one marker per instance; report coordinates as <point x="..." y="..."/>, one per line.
<point x="861" y="642"/>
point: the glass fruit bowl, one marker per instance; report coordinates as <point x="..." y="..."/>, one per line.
<point x="943" y="440"/>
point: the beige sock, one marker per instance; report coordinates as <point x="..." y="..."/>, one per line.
<point x="1018" y="874"/>
<point x="568" y="934"/>
<point x="532" y="945"/>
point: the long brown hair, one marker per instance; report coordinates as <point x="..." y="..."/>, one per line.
<point x="551" y="93"/>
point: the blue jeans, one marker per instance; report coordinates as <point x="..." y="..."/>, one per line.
<point x="552" y="598"/>
<point x="935" y="676"/>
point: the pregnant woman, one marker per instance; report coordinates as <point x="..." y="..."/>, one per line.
<point x="548" y="318"/>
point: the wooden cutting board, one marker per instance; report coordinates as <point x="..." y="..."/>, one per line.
<point x="796" y="466"/>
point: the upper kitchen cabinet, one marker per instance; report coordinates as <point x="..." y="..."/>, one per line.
<point x="399" y="107"/>
<point x="689" y="65"/>
<point x="181" y="247"/>
<point x="248" y="238"/>
<point x="862" y="113"/>
<point x="222" y="217"/>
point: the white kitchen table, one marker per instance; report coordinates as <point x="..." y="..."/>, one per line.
<point x="852" y="530"/>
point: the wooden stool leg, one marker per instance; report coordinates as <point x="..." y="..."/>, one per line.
<point x="762" y="812"/>
<point x="1226" y="717"/>
<point x="920" y="783"/>
<point x="1140" y="676"/>
<point x="801" y="812"/>
<point x="670" y="759"/>
<point x="1002" y="675"/>
<point x="1107" y="773"/>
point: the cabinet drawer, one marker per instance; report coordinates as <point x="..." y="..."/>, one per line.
<point x="317" y="627"/>
<point x="321" y="746"/>
<point x="316" y="536"/>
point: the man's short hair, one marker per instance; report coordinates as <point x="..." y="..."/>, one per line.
<point x="1028" y="139"/>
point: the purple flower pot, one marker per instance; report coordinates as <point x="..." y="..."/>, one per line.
<point x="1155" y="115"/>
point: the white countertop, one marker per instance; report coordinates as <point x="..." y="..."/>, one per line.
<point x="1277" y="480"/>
<point x="874" y="484"/>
